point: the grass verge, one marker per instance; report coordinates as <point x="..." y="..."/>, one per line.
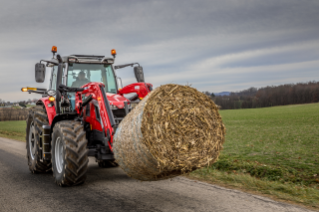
<point x="13" y="129"/>
<point x="272" y="151"/>
<point x="302" y="195"/>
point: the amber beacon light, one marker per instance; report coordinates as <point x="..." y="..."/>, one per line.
<point x="54" y="49"/>
<point x="113" y="52"/>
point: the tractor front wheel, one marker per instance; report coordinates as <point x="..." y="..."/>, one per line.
<point x="69" y="153"/>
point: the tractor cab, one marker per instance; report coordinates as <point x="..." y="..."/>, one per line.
<point x="79" y="70"/>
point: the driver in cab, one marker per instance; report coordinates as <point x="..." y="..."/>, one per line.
<point x="80" y="80"/>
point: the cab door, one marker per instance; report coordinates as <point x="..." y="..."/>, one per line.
<point x="54" y="74"/>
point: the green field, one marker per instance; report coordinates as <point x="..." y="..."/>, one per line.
<point x="13" y="129"/>
<point x="271" y="150"/>
<point x="284" y="137"/>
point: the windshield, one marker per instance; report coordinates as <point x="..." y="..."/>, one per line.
<point x="80" y="74"/>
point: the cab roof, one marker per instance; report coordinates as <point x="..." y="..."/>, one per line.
<point x="79" y="58"/>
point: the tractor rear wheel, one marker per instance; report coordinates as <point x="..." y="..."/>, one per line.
<point x="35" y="119"/>
<point x="69" y="153"/>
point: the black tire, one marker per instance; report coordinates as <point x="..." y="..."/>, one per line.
<point x="35" y="119"/>
<point x="107" y="164"/>
<point x="69" y="139"/>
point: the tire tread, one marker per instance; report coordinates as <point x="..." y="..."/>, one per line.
<point x="76" y="153"/>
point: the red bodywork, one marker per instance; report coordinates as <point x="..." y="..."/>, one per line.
<point x="93" y="88"/>
<point x="50" y="110"/>
<point x="140" y="88"/>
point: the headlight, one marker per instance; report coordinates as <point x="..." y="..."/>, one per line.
<point x="51" y="92"/>
<point x="113" y="107"/>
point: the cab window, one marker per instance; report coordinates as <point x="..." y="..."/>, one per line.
<point x="81" y="74"/>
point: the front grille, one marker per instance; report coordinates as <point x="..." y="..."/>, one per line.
<point x="118" y="113"/>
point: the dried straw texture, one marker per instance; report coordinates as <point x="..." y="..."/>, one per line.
<point x="174" y="130"/>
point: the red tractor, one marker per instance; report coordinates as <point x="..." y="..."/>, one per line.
<point x="78" y="115"/>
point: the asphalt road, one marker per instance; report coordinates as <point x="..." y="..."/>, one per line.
<point x="111" y="190"/>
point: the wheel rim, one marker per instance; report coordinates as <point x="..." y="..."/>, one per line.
<point x="59" y="154"/>
<point x="32" y="144"/>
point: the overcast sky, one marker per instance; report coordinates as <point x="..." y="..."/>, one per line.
<point x="216" y="46"/>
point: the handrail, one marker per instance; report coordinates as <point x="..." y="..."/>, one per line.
<point x="125" y="65"/>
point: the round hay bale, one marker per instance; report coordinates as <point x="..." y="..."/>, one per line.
<point x="174" y="130"/>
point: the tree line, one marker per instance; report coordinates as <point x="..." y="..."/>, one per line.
<point x="13" y="114"/>
<point x="4" y="103"/>
<point x="287" y="94"/>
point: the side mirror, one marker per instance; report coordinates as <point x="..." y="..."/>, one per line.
<point x="39" y="72"/>
<point x="139" y="74"/>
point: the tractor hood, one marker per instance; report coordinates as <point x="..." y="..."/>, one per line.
<point x="117" y="100"/>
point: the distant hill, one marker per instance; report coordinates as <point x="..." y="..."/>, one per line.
<point x="224" y="93"/>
